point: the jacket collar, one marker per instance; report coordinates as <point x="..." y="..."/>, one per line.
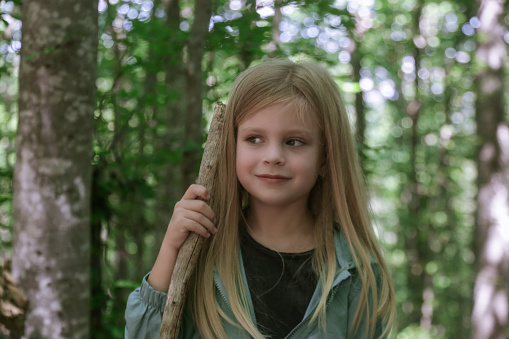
<point x="343" y="253"/>
<point x="344" y="262"/>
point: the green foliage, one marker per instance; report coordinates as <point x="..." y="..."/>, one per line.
<point x="415" y="332"/>
<point x="9" y="46"/>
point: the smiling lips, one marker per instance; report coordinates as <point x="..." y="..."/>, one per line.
<point x="272" y="179"/>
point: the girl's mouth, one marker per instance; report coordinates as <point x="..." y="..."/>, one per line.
<point x="272" y="179"/>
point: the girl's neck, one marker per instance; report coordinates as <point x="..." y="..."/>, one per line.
<point x="288" y="230"/>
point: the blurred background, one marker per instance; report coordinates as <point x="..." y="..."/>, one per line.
<point x="424" y="84"/>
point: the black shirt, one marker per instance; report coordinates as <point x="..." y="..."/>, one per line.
<point x="281" y="286"/>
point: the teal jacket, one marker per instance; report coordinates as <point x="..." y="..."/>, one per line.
<point x="145" y="306"/>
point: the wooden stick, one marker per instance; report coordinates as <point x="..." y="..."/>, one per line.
<point x="190" y="250"/>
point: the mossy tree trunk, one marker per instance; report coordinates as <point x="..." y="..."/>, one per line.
<point x="51" y="254"/>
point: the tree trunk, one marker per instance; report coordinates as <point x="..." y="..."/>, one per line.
<point x="99" y="212"/>
<point x="51" y="255"/>
<point x="275" y="44"/>
<point x="169" y="191"/>
<point x="194" y="89"/>
<point x="417" y="229"/>
<point x="360" y="112"/>
<point x="491" y="304"/>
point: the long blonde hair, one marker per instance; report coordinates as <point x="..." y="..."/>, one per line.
<point x="339" y="196"/>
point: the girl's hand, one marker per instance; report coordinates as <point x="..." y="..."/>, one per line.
<point x="190" y="215"/>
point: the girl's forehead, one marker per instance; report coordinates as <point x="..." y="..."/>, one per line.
<point x="291" y="111"/>
<point x="281" y="119"/>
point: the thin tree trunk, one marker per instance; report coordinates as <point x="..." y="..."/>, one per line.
<point x="169" y="191"/>
<point x="100" y="212"/>
<point x="51" y="256"/>
<point x="360" y="118"/>
<point x="491" y="304"/>
<point x="274" y="45"/>
<point x="121" y="257"/>
<point x="140" y="224"/>
<point x="355" y="50"/>
<point x="194" y="95"/>
<point x="246" y="49"/>
<point x="147" y="109"/>
<point x="415" y="234"/>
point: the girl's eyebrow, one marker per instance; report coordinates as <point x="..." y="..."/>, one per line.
<point x="250" y="129"/>
<point x="301" y="131"/>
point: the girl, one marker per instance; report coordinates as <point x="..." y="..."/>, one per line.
<point x="294" y="253"/>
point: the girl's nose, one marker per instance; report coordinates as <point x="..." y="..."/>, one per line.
<point x="274" y="155"/>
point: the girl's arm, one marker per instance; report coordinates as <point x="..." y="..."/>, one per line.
<point x="190" y="215"/>
<point x="145" y="306"/>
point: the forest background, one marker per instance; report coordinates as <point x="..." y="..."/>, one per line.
<point x="424" y="82"/>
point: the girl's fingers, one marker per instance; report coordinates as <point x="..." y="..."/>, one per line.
<point x="203" y="221"/>
<point x="198" y="228"/>
<point x="191" y="215"/>
<point x="196" y="206"/>
<point x="196" y="191"/>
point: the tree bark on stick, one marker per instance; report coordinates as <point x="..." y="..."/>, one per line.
<point x="190" y="250"/>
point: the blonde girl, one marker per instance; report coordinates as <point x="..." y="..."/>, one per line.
<point x="290" y="249"/>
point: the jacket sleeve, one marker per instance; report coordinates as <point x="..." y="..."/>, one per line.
<point x="144" y="312"/>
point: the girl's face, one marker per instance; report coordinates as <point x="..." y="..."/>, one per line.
<point x="279" y="156"/>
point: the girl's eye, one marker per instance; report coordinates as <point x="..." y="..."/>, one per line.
<point x="254" y="140"/>
<point x="294" y="142"/>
